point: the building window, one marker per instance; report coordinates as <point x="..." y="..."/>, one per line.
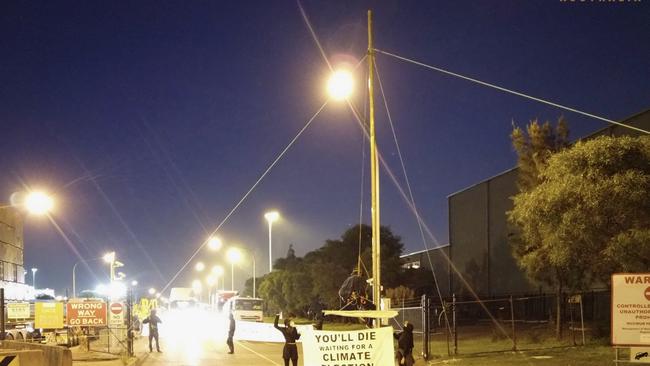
<point x="411" y="265"/>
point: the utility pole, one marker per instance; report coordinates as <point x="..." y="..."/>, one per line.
<point x="374" y="177"/>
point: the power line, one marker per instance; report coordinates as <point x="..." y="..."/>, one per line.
<point x="402" y="58"/>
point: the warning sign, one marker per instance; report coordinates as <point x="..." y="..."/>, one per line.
<point x="9" y="360"/>
<point x="48" y="315"/>
<point x="18" y="310"/>
<point x="116" y="315"/>
<point x="87" y="313"/>
<point x="631" y="309"/>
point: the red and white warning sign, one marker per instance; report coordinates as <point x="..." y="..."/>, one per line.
<point x="631" y="309"/>
<point x="116" y="314"/>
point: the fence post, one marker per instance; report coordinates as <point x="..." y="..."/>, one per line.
<point x="2" y="311"/>
<point x="424" y="303"/>
<point x="512" y="319"/>
<point x="453" y="317"/>
<point x="129" y="322"/>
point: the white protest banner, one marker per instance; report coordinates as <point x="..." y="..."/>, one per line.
<point x="367" y="347"/>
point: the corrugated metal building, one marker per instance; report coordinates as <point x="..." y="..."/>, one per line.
<point x="478" y="234"/>
<point x="478" y="229"/>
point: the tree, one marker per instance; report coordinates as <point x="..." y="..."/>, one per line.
<point x="534" y="149"/>
<point x="588" y="216"/>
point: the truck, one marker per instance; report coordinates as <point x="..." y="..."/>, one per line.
<point x="182" y="298"/>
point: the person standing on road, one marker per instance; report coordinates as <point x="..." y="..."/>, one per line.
<point x="404" y="355"/>
<point x="153" y="320"/>
<point x="290" y="333"/>
<point x="231" y="333"/>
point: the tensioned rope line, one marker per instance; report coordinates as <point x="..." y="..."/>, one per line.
<point x="402" y="58"/>
<point x="425" y="226"/>
<point x="257" y="182"/>
<point x="313" y="35"/>
<point x="410" y="192"/>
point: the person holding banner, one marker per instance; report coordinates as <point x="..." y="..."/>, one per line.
<point x="290" y="333"/>
<point x="404" y="354"/>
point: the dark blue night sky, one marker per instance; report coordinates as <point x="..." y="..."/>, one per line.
<point x="150" y="119"/>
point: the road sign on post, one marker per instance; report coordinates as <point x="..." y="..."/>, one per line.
<point x="631" y="309"/>
<point x="87" y="313"/>
<point x="116" y="314"/>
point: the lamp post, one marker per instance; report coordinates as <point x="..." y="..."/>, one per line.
<point x="74" y="275"/>
<point x="234" y="255"/>
<point x="271" y="217"/>
<point x="34" y="277"/>
<point x="218" y="272"/>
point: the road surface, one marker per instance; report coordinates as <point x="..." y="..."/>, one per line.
<point x="201" y="341"/>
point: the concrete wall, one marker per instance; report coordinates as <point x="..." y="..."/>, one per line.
<point x="25" y="357"/>
<point x="52" y="355"/>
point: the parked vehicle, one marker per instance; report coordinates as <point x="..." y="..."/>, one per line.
<point x="245" y="308"/>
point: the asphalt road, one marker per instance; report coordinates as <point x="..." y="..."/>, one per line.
<point x="201" y="340"/>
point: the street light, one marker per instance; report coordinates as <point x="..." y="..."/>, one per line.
<point x="199" y="267"/>
<point x="218" y="272"/>
<point x="74" y="271"/>
<point x="340" y="85"/>
<point x="234" y="255"/>
<point x="152" y="291"/>
<point x="112" y="263"/>
<point x="38" y="202"/>
<point x="134" y="283"/>
<point x="271" y="217"/>
<point x="214" y="243"/>
<point x="34" y="277"/>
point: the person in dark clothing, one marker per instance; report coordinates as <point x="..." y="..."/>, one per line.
<point x="404" y="354"/>
<point x="290" y="333"/>
<point x="231" y="333"/>
<point x="153" y="320"/>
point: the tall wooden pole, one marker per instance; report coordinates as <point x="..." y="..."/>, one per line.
<point x="374" y="176"/>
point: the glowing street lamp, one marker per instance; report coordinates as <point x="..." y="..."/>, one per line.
<point x="152" y="291"/>
<point x="38" y="203"/>
<point x="271" y="217"/>
<point x="340" y="85"/>
<point x="199" y="267"/>
<point x="214" y="243"/>
<point x="234" y="255"/>
<point x="134" y="283"/>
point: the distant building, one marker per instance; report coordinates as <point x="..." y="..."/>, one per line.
<point x="12" y="270"/>
<point x="435" y="260"/>
<point x="478" y="229"/>
<point x="478" y="234"/>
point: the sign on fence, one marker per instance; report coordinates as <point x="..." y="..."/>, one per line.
<point x="18" y="310"/>
<point x="353" y="348"/>
<point x="631" y="309"/>
<point x="48" y="315"/>
<point x="116" y="314"/>
<point x="87" y="313"/>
